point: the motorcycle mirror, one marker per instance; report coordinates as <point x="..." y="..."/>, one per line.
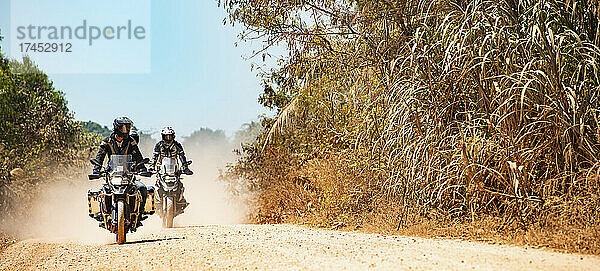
<point x="92" y="177"/>
<point x="95" y="162"/>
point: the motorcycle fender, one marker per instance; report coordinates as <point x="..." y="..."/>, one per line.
<point x="171" y="188"/>
<point x="168" y="187"/>
<point x="162" y="184"/>
<point x="120" y="191"/>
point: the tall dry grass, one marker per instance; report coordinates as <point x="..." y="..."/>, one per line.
<point x="456" y="111"/>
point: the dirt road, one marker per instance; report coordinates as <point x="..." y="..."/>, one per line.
<point x="282" y="247"/>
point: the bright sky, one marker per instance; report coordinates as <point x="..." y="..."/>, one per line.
<point x="198" y="77"/>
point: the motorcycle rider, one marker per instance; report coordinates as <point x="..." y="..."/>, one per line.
<point x="169" y="147"/>
<point x="120" y="143"/>
<point x="134" y="134"/>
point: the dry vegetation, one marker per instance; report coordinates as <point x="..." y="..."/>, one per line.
<point x="454" y="118"/>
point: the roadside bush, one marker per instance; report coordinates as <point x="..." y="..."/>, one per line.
<point x="37" y="134"/>
<point x="446" y="110"/>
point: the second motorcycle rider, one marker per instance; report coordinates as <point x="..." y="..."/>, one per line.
<point x="169" y="147"/>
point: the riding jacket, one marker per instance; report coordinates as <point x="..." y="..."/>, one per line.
<point x="171" y="150"/>
<point x="110" y="146"/>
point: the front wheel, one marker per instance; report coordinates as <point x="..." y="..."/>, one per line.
<point x="120" y="222"/>
<point x="168" y="215"/>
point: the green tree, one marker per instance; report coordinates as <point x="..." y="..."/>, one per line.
<point x="93" y="127"/>
<point x="37" y="130"/>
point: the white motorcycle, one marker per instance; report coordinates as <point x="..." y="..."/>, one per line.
<point x="170" y="190"/>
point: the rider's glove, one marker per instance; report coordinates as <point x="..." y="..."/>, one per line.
<point x="187" y="171"/>
<point x="144" y="172"/>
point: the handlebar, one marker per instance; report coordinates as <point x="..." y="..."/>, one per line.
<point x="179" y="172"/>
<point x="104" y="172"/>
<point x="95" y="176"/>
<point x="146" y="174"/>
<point x="92" y="177"/>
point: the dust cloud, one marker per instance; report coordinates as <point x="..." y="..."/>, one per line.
<point x="210" y="201"/>
<point x="58" y="210"/>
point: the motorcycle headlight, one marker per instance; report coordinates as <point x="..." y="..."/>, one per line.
<point x="119" y="181"/>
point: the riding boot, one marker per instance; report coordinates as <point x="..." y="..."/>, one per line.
<point x="181" y="203"/>
<point x="144" y="193"/>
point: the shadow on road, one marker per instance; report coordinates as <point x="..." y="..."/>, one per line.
<point x="152" y="240"/>
<point x="191" y="226"/>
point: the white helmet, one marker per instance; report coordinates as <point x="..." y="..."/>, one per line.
<point x="168" y="131"/>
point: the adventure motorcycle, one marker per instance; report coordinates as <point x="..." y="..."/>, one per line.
<point x="170" y="190"/>
<point x="117" y="205"/>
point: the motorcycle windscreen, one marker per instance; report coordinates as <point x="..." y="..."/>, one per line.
<point x="120" y="164"/>
<point x="169" y="165"/>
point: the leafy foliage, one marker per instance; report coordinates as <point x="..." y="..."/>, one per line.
<point x="37" y="131"/>
<point x="93" y="127"/>
<point x="34" y="118"/>
<point x="454" y="109"/>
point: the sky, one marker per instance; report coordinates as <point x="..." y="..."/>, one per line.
<point x="198" y="77"/>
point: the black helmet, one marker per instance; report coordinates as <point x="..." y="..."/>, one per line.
<point x="122" y="126"/>
<point x="168" y="131"/>
<point x="134" y="134"/>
